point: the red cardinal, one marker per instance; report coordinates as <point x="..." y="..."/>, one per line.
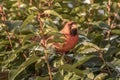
<point x="71" y="38"/>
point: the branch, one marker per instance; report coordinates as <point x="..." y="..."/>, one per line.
<point x="46" y="54"/>
<point x="48" y="65"/>
<point x="101" y="56"/>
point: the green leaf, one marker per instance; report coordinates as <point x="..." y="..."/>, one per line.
<point x="71" y="76"/>
<point x="112" y="50"/>
<point x="42" y="78"/>
<point x="3" y="53"/>
<point x="90" y="76"/>
<point x="4" y="42"/>
<point x="57" y="37"/>
<point x="70" y="68"/>
<point x="26" y="21"/>
<point x="58" y="76"/>
<point x="51" y="25"/>
<point x="56" y="40"/>
<point x="27" y="37"/>
<point x="74" y="77"/>
<point x="91" y="45"/>
<point x="39" y="64"/>
<point x="118" y="54"/>
<point x="57" y="4"/>
<point x="14" y="55"/>
<point x="87" y="51"/>
<point x="116" y="31"/>
<point x="31" y="59"/>
<point x="101" y="76"/>
<point x="82" y="60"/>
<point x="67" y="77"/>
<point x="116" y="62"/>
<point x="52" y="12"/>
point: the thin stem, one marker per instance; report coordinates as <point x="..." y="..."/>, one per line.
<point x="10" y="41"/>
<point x="4" y="19"/>
<point x="46" y="54"/>
<point x="48" y="65"/>
<point x="49" y="3"/>
<point x="101" y="56"/>
<point x="109" y="18"/>
<point x="91" y="1"/>
<point x="108" y="7"/>
<point x="19" y="3"/>
<point x="30" y="2"/>
<point x="25" y="56"/>
<point x="40" y="23"/>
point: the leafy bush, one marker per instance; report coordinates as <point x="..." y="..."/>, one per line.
<point x="95" y="57"/>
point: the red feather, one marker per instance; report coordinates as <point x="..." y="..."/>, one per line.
<point x="71" y="38"/>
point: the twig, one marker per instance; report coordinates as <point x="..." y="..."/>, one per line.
<point x="49" y="3"/>
<point x="89" y="18"/>
<point x="30" y="2"/>
<point x="101" y="56"/>
<point x="19" y="3"/>
<point x="108" y="8"/>
<point x="9" y="38"/>
<point x="24" y="55"/>
<point x="40" y="23"/>
<point x="109" y="19"/>
<point x="48" y="65"/>
<point x="91" y="1"/>
<point x="4" y="19"/>
<point x="46" y="54"/>
<point x="3" y="14"/>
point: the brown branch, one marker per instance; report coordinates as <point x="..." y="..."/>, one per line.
<point x="113" y="21"/>
<point x="30" y="2"/>
<point x="91" y="1"/>
<point x="19" y="3"/>
<point x="3" y="14"/>
<point x="49" y="3"/>
<point x="24" y="55"/>
<point x="109" y="9"/>
<point x="48" y="65"/>
<point x="46" y="54"/>
<point x="9" y="38"/>
<point x="101" y="56"/>
<point x="4" y="19"/>
<point x="40" y="23"/>
<point x="109" y="18"/>
<point x="119" y="4"/>
<point x="89" y="19"/>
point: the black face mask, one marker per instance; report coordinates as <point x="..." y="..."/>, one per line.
<point x="73" y="32"/>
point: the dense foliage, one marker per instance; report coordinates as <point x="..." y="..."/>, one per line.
<point x="95" y="57"/>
